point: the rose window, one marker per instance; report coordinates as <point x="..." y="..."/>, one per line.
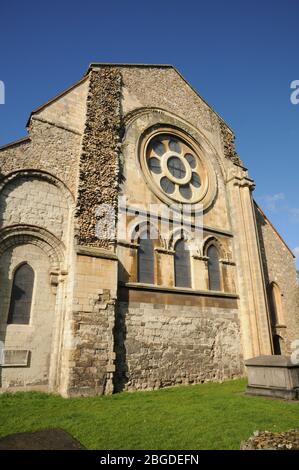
<point x="175" y="168"/>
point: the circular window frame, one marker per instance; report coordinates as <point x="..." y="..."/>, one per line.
<point x="207" y="176"/>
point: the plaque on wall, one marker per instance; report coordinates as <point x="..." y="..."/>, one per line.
<point x="16" y="358"/>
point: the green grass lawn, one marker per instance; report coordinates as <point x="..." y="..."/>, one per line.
<point x="207" y="416"/>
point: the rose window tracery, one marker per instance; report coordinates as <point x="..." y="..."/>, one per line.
<point x="175" y="167"/>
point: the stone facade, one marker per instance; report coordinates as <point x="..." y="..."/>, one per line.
<point x="94" y="327"/>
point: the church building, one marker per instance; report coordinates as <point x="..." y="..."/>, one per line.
<point x="132" y="253"/>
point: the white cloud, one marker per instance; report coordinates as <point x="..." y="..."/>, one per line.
<point x="271" y="201"/>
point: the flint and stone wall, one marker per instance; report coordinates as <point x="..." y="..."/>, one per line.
<point x="279" y="267"/>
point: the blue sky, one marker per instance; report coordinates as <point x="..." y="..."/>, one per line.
<point x="240" y="56"/>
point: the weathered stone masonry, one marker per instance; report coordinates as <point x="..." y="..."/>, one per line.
<point x="159" y="345"/>
<point x="99" y="164"/>
<point x="95" y="328"/>
<point x="228" y="141"/>
<point x="278" y="265"/>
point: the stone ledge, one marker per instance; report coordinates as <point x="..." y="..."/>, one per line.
<point x="178" y="290"/>
<point x="166" y="251"/>
<point x="271" y="361"/>
<point x="201" y="258"/>
<point x="128" y="244"/>
<point x="96" y="252"/>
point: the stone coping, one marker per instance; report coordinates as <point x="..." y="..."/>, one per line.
<point x="271" y="361"/>
<point x="178" y="290"/>
<point x="96" y="252"/>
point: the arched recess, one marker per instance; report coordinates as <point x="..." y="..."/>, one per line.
<point x="212" y="240"/>
<point x="40" y="175"/>
<point x="140" y="228"/>
<point x="277" y="315"/>
<point x="146" y="261"/>
<point x="212" y="250"/>
<point x="37" y="198"/>
<point x="214" y="268"/>
<point x="277" y="344"/>
<point x="182" y="264"/>
<point x="277" y="318"/>
<point x="23" y="244"/>
<point x="178" y="234"/>
<point x="15" y="235"/>
<point x="147" y="237"/>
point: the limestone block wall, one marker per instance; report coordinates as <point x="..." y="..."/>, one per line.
<point x="88" y="355"/>
<point x="33" y="201"/>
<point x="68" y="110"/>
<point x="279" y="267"/>
<point x="160" y="345"/>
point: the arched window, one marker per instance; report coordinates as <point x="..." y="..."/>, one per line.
<point x="146" y="271"/>
<point x="182" y="264"/>
<point x="21" y="295"/>
<point x="213" y="268"/>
